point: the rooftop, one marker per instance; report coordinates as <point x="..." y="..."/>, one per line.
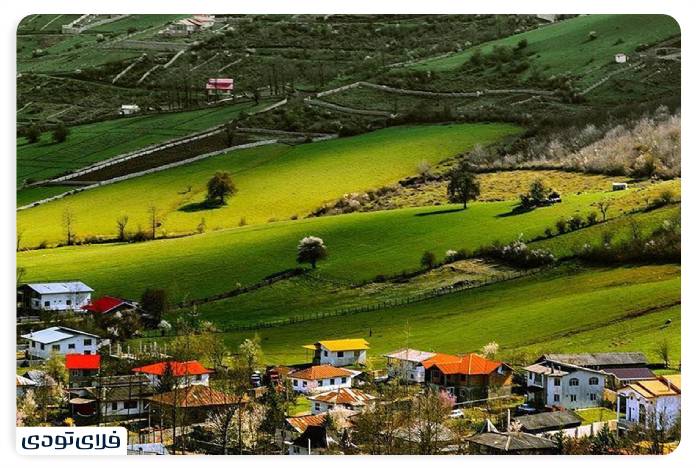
<point x="60" y="288"/>
<point x="301" y="423"/>
<point x="600" y="359"/>
<point x="664" y="386"/>
<point x="320" y="372"/>
<point x="512" y="441"/>
<point x="343" y="396"/>
<point x="410" y="355"/>
<point x="549" y="421"/>
<point x="349" y="344"/>
<point x="631" y="373"/>
<point x="53" y="334"/>
<point x="197" y="396"/>
<point x="82" y="361"/>
<point x="24" y="382"/>
<point x="104" y="304"/>
<point x="469" y="364"/>
<point x="179" y="369"/>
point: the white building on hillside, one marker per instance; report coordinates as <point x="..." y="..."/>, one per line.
<point x="60" y="340"/>
<point x="321" y="379"/>
<point x="339" y="352"/>
<point x="656" y="401"/>
<point x="72" y="295"/>
<point x="407" y="364"/>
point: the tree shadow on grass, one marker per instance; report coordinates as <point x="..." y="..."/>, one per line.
<point x="431" y="213"/>
<point x="515" y="211"/>
<point x="200" y="206"/>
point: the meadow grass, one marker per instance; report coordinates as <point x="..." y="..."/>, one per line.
<point x="274" y="182"/>
<point x="361" y="246"/>
<point x="90" y="143"/>
<point x="565" y="47"/>
<point x="567" y="309"/>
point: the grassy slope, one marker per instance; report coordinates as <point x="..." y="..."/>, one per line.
<point x="566" y="309"/>
<point x="95" y="142"/>
<point x="564" y="47"/>
<point x="361" y="246"/>
<point x="273" y="182"/>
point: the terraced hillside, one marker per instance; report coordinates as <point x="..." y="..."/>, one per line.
<point x="274" y="182"/>
<point x="96" y="142"/>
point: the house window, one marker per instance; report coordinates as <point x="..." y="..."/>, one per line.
<point x="68" y="302"/>
<point x="317" y="406"/>
<point x="199" y="378"/>
<point x="88" y="342"/>
<point x="593" y="397"/>
<point x="594" y="381"/>
<point x="55" y="347"/>
<point x="573" y="382"/>
<point x="294" y="382"/>
<point x="114" y="405"/>
<point x="557" y="398"/>
<point x="33" y="344"/>
<point x="332" y="381"/>
<point x="557" y="381"/>
<point x="47" y="303"/>
<point x="87" y="351"/>
<point x="356" y="354"/>
<point x="43" y="347"/>
<point x="343" y="380"/>
<point x="573" y="398"/>
<point x="71" y="345"/>
<point x="304" y="383"/>
<point x="436" y="374"/>
<point x="130" y="404"/>
<point x="340" y="354"/>
<point x="326" y="353"/>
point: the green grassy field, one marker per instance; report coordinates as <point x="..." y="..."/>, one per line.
<point x="95" y="142"/>
<point x="274" y="182"/>
<point x="567" y="309"/>
<point x="361" y="246"/>
<point x="564" y="47"/>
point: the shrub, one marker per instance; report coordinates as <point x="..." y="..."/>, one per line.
<point x="428" y="260"/>
<point x="60" y="133"/>
<point x="33" y="134"/>
<point x="561" y="226"/>
<point x="518" y="254"/>
<point x="575" y="222"/>
<point x="522" y="44"/>
<point x="592" y="218"/>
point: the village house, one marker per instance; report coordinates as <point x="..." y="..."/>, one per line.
<point x="128" y="109"/>
<point x="188" y="26"/>
<point x="315" y="440"/>
<point x="652" y="402"/>
<point x="620" y="58"/>
<point x="560" y="384"/>
<point x="620" y="377"/>
<point x="193" y="403"/>
<point x="339" y="352"/>
<point x="24" y="386"/>
<point x="468" y="377"/>
<point x="407" y="364"/>
<point x="347" y="398"/>
<point x="219" y="86"/>
<point x="63" y="297"/>
<point x="184" y="373"/>
<point x="118" y="397"/>
<point x="297" y="425"/>
<point x="108" y="304"/>
<point x="321" y="378"/>
<point x="40" y="378"/>
<point x="60" y="340"/>
<point x="82" y="369"/>
<point x="548" y="422"/>
<point x="490" y="441"/>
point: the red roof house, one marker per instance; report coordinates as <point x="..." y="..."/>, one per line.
<point x="469" y="376"/>
<point x="219" y="85"/>
<point x="82" y="361"/>
<point x="105" y="304"/>
<point x="187" y="373"/>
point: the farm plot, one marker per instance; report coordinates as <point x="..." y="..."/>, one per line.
<point x="96" y="142"/>
<point x="274" y="182"/>
<point x="361" y="246"/>
<point x="629" y="307"/>
<point x="568" y="47"/>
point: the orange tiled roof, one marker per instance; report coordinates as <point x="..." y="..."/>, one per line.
<point x="197" y="396"/>
<point x="301" y="423"/>
<point x="320" y="372"/>
<point x="179" y="369"/>
<point x="343" y="396"/>
<point x="469" y="364"/>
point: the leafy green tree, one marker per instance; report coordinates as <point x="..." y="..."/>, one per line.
<point x="60" y="133"/>
<point x="155" y="302"/>
<point x="167" y="381"/>
<point x="538" y="191"/>
<point x="220" y="186"/>
<point x="463" y="185"/>
<point x="310" y="250"/>
<point x="33" y="134"/>
<point x="55" y="367"/>
<point x="428" y="260"/>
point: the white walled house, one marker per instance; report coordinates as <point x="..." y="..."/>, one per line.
<point x="407" y="364"/>
<point x="129" y="109"/>
<point x="563" y="385"/>
<point x="321" y="378"/>
<point x="656" y="401"/>
<point x="339" y="352"/>
<point x="68" y="296"/>
<point x="186" y="373"/>
<point x="620" y="58"/>
<point x="60" y="340"/>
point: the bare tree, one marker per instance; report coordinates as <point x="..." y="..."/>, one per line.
<point x="154" y="220"/>
<point x="603" y="207"/>
<point x="121" y="223"/>
<point x="69" y="226"/>
<point x="663" y="350"/>
<point x="20" y="234"/>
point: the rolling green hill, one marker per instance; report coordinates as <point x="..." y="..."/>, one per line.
<point x="273" y="182"/>
<point x="361" y="246"/>
<point x="91" y="143"/>
<point x="565" y="47"/>
<point x="564" y="310"/>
